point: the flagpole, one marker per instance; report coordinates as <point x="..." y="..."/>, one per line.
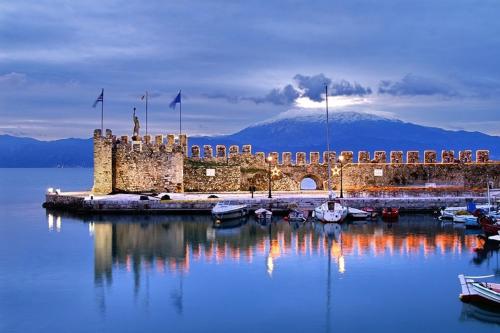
<point x="180" y="114"/>
<point x="146" y="112"/>
<point x="328" y="144"/>
<point x="102" y="112"/>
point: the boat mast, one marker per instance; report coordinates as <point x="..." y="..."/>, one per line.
<point x="328" y="145"/>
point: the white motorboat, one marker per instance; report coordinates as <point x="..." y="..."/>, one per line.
<point x="224" y="210"/>
<point x="450" y="212"/>
<point x="263" y="214"/>
<point x="331" y="212"/>
<point x="473" y="290"/>
<point x="357" y="213"/>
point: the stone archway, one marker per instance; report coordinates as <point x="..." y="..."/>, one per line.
<point x="310" y="182"/>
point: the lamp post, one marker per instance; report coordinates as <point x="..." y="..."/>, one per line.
<point x="269" y="160"/>
<point x="341" y="159"/>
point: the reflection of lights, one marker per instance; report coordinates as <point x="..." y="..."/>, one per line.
<point x="50" y="221"/>
<point x="341" y="264"/>
<point x="58" y="223"/>
<point x="270" y="265"/>
<point x="91" y="229"/>
<point x="275" y="248"/>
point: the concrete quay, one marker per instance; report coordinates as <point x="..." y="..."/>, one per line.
<point x="192" y="203"/>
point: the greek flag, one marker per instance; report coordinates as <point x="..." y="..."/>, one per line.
<point x="176" y="100"/>
<point x="99" y="99"/>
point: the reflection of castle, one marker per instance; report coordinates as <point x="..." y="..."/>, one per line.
<point x="172" y="246"/>
<point x="130" y="245"/>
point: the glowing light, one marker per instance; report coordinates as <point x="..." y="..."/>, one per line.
<point x="270" y="265"/>
<point x="58" y="223"/>
<point x="341" y="264"/>
<point x="50" y="221"/>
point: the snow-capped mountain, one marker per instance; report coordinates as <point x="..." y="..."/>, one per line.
<point x="351" y="131"/>
<point x="287" y="132"/>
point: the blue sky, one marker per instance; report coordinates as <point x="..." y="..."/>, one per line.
<point x="428" y="62"/>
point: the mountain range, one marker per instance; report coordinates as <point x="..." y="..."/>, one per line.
<point x="348" y="131"/>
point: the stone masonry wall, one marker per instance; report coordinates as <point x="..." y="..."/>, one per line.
<point x="160" y="164"/>
<point x="103" y="162"/>
<point x="148" y="167"/>
<point x="287" y="174"/>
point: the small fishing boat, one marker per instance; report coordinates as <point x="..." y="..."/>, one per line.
<point x="390" y="213"/>
<point x="357" y="214"/>
<point x="229" y="210"/>
<point x="263" y="214"/>
<point x="489" y="224"/>
<point x="372" y="212"/>
<point x="331" y="211"/>
<point x="474" y="290"/>
<point x="296" y="215"/>
<point x="450" y="212"/>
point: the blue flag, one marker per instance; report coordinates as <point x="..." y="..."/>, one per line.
<point x="99" y="99"/>
<point x="175" y="101"/>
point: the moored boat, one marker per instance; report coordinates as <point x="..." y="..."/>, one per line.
<point x="263" y="214"/>
<point x="474" y="290"/>
<point x="331" y="211"/>
<point x="390" y="213"/>
<point x="296" y="215"/>
<point x="450" y="212"/>
<point x="355" y="213"/>
<point x="372" y="212"/>
<point x="229" y="210"/>
<point x="489" y="224"/>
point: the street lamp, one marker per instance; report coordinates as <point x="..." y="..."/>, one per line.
<point x="341" y="159"/>
<point x="269" y="160"/>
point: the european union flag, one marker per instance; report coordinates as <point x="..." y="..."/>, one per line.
<point x="175" y="101"/>
<point x="99" y="99"/>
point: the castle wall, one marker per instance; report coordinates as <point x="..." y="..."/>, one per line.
<point x="162" y="165"/>
<point x="148" y="167"/>
<point x="103" y="162"/>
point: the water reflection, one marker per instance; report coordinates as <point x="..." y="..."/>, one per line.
<point x="480" y="312"/>
<point x="169" y="243"/>
<point x="173" y="245"/>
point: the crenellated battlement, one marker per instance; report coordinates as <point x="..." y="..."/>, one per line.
<point x="317" y="158"/>
<point x="165" y="163"/>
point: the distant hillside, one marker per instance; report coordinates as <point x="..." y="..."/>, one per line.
<point x="349" y="131"/>
<point x="18" y="152"/>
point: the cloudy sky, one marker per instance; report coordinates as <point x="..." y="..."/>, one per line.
<point x="430" y="62"/>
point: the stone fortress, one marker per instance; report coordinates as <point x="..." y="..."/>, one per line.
<point x="166" y="164"/>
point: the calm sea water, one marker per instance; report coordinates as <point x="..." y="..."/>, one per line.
<point x="63" y="273"/>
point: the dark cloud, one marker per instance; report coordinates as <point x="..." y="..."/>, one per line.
<point x="413" y="85"/>
<point x="285" y="96"/>
<point x="345" y="88"/>
<point x="312" y="86"/>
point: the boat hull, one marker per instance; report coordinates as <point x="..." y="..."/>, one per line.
<point x="230" y="214"/>
<point x="330" y="216"/>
